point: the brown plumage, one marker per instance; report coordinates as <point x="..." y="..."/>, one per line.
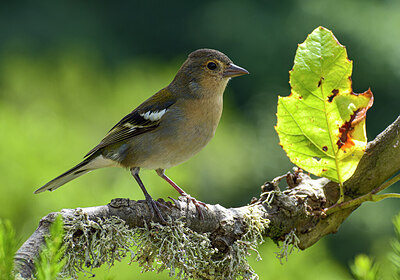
<point x="166" y="129"/>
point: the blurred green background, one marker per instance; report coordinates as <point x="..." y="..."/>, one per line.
<point x="69" y="70"/>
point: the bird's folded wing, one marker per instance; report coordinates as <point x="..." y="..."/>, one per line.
<point x="141" y="120"/>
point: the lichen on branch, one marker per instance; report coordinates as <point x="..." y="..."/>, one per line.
<point x="155" y="247"/>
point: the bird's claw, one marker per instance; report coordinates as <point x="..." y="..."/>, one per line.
<point x="197" y="204"/>
<point x="153" y="207"/>
<point x="161" y="203"/>
<point x="177" y="204"/>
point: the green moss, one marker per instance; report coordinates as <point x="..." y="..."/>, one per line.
<point x="185" y="253"/>
<point x="91" y="244"/>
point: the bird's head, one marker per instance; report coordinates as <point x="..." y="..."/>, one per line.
<point x="207" y="71"/>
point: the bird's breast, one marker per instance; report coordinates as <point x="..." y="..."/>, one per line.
<point x="183" y="131"/>
<point x="200" y="119"/>
<point x="197" y="125"/>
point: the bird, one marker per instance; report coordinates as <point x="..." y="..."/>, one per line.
<point x="166" y="129"/>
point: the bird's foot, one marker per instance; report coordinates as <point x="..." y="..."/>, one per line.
<point x="176" y="203"/>
<point x="154" y="207"/>
<point x="197" y="204"/>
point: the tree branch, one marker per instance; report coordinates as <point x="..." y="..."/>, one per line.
<point x="299" y="209"/>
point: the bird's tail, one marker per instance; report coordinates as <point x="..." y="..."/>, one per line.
<point x="84" y="167"/>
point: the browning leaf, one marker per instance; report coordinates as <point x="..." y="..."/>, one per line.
<point x="321" y="124"/>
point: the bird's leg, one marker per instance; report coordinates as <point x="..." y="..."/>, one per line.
<point x="150" y="201"/>
<point x="161" y="173"/>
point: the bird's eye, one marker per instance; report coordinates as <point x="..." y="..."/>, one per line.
<point x="211" y="65"/>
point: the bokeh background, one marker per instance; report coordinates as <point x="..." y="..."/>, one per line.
<point x="69" y="70"/>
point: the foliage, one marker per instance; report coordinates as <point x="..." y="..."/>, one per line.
<point x="364" y="268"/>
<point x="8" y="248"/>
<point x="395" y="255"/>
<point x="51" y="259"/>
<point x="321" y="125"/>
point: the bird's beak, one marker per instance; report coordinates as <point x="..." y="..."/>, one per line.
<point x="234" y="71"/>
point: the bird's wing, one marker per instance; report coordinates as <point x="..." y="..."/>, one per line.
<point x="144" y="118"/>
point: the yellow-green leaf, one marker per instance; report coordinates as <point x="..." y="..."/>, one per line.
<point x="321" y="125"/>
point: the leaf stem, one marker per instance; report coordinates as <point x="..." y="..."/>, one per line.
<point x="341" y="197"/>
<point x="371" y="196"/>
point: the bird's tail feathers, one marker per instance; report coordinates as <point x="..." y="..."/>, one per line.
<point x="89" y="164"/>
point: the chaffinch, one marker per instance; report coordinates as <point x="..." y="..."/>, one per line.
<point x="166" y="129"/>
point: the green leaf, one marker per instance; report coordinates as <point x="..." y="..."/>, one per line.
<point x="8" y="247"/>
<point x="364" y="268"/>
<point x="51" y="259"/>
<point x="395" y="255"/>
<point x="321" y="125"/>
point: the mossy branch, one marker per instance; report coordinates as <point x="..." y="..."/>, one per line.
<point x="203" y="248"/>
